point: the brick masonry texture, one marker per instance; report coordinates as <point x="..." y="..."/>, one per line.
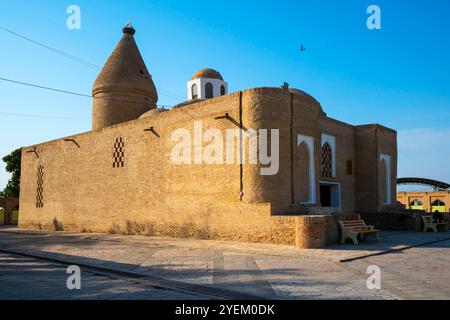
<point x="151" y="195"/>
<point x="120" y="177"/>
<point x="124" y="89"/>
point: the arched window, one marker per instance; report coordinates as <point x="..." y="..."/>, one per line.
<point x="222" y="90"/>
<point x="194" y="89"/>
<point x="209" y="91"/>
<point x="416" y="203"/>
<point x="327" y="161"/>
<point x="438" y="203"/>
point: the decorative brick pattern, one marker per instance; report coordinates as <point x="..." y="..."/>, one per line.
<point x="327" y="161"/>
<point x="40" y="188"/>
<point x="119" y="153"/>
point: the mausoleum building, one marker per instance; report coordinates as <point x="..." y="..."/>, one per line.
<point x="126" y="176"/>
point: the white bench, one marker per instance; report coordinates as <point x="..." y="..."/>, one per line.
<point x="352" y="228"/>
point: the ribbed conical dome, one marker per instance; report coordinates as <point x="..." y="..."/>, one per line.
<point x="124" y="89"/>
<point x="125" y="70"/>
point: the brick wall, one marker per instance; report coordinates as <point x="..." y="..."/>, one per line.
<point x="371" y="141"/>
<point x="82" y="189"/>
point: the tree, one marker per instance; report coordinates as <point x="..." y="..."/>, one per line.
<point x="12" y="161"/>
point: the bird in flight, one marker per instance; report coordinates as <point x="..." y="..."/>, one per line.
<point x="302" y="48"/>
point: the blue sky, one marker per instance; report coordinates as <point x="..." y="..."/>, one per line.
<point x="398" y="76"/>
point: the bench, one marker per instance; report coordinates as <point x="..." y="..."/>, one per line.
<point x="429" y="224"/>
<point x="352" y="228"/>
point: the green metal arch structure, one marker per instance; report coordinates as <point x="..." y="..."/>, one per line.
<point x="427" y="182"/>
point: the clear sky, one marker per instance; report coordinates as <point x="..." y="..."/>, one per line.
<point x="398" y="76"/>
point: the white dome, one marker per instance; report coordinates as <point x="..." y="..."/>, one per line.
<point x="206" y="84"/>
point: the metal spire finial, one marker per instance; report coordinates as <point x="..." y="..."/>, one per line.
<point x="129" y="28"/>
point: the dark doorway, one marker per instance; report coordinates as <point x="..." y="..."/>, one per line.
<point x="209" y="91"/>
<point x="325" y="195"/>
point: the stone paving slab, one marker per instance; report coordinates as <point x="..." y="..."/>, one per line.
<point x="418" y="273"/>
<point x="130" y="272"/>
<point x="248" y="269"/>
<point x="26" y="278"/>
<point x="214" y="270"/>
<point x="391" y="241"/>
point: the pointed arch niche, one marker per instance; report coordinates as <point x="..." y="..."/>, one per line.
<point x="305" y="149"/>
<point x="385" y="178"/>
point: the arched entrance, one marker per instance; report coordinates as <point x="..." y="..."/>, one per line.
<point x="384" y="182"/>
<point x="10" y="210"/>
<point x="438" y="205"/>
<point x="416" y="204"/>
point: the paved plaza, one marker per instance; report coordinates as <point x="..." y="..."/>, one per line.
<point x="34" y="279"/>
<point x="413" y="266"/>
